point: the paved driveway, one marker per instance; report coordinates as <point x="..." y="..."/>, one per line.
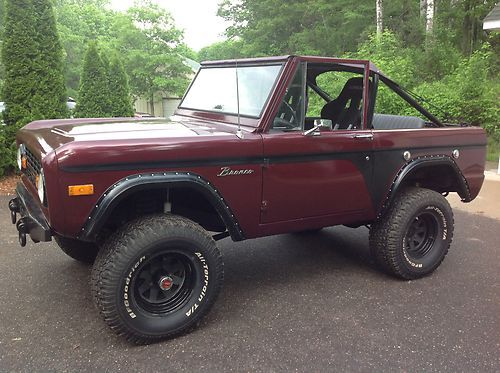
<point x="303" y="303"/>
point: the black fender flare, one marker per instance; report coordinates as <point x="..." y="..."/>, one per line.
<point x="133" y="183"/>
<point x="421" y="162"/>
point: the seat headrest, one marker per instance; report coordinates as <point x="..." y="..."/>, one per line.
<point x="352" y="90"/>
<point x="353" y="85"/>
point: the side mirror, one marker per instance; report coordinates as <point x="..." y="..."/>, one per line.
<point x="318" y="124"/>
<point x="324" y="123"/>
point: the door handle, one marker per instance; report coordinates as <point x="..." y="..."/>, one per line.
<point x="368" y="136"/>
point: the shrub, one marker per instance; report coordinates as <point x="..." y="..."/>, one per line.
<point x="7" y="148"/>
<point x="49" y="98"/>
<point x="93" y="98"/>
<point x="119" y="91"/>
<point x="33" y="86"/>
<point x="469" y="95"/>
<point x="18" y="53"/>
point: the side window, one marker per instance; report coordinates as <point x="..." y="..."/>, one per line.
<point x="314" y="104"/>
<point x="290" y="116"/>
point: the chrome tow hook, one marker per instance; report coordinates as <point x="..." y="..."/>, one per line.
<point x="22" y="239"/>
<point x="22" y="228"/>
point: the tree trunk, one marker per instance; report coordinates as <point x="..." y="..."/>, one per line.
<point x="429" y="17"/>
<point x="468" y="28"/>
<point x="423" y="8"/>
<point x="380" y="17"/>
<point x="152" y="104"/>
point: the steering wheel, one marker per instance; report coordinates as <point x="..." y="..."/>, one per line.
<point x="289" y="112"/>
<point x="289" y="116"/>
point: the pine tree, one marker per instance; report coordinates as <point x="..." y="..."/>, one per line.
<point x="105" y="62"/>
<point x="121" y="102"/>
<point x="93" y="98"/>
<point x="49" y="99"/>
<point x="18" y="53"/>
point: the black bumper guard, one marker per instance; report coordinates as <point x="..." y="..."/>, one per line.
<point x="32" y="221"/>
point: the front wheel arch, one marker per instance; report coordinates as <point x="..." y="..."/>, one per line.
<point x="129" y="185"/>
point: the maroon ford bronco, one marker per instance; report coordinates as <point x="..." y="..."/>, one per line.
<point x="257" y="147"/>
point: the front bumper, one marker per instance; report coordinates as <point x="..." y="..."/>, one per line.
<point x="32" y="221"/>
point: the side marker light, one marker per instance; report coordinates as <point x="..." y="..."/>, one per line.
<point x="81" y="190"/>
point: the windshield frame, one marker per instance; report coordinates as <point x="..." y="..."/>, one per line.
<point x="281" y="64"/>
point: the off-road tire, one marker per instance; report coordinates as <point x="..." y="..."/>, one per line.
<point x="411" y="240"/>
<point x="84" y="252"/>
<point x="144" y="254"/>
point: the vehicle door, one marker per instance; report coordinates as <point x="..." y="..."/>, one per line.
<point x="321" y="173"/>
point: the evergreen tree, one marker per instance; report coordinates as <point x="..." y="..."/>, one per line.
<point x="121" y="102"/>
<point x="106" y="64"/>
<point x="49" y="100"/>
<point x="18" y="53"/>
<point x="93" y="98"/>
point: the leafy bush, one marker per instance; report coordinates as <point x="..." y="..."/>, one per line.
<point x="391" y="56"/>
<point x="469" y="95"/>
<point x="396" y="62"/>
<point x="437" y="59"/>
<point x="456" y="90"/>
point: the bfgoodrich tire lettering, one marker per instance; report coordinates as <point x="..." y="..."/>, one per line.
<point x="156" y="278"/>
<point x="413" y="238"/>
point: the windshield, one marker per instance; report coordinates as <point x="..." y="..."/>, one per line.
<point x="214" y="89"/>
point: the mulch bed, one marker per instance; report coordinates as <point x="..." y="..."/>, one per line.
<point x="8" y="184"/>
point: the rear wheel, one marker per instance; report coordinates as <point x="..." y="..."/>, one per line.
<point x="413" y="238"/>
<point x="81" y="251"/>
<point x="156" y="278"/>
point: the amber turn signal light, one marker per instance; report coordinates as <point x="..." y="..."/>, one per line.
<point x="24" y="162"/>
<point x="81" y="190"/>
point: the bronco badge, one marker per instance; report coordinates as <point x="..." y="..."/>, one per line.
<point x="226" y="171"/>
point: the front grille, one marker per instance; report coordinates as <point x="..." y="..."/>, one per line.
<point x="33" y="166"/>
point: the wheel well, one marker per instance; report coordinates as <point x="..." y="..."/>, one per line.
<point x="182" y="201"/>
<point x="441" y="178"/>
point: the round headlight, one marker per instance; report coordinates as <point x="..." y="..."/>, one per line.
<point x="21" y="152"/>
<point x="41" y="187"/>
<point x="19" y="158"/>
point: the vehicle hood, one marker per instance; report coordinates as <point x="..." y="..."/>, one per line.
<point x="52" y="134"/>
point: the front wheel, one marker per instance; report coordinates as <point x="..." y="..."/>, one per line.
<point x="413" y="238"/>
<point x="156" y="278"/>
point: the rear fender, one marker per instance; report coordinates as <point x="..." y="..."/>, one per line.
<point x="410" y="169"/>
